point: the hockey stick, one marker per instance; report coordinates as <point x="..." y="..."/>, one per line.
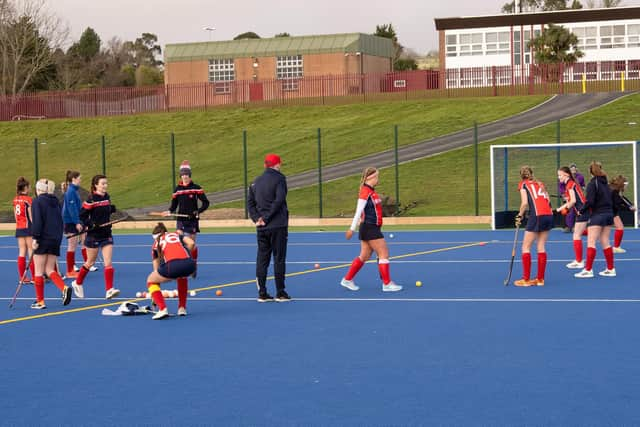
<point x="627" y="202"/>
<point x="106" y="224"/>
<point x="513" y="255"/>
<point x="171" y="214"/>
<point x="20" y="283"/>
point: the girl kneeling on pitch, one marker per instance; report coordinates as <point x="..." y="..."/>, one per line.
<point x="600" y="204"/>
<point x="574" y="201"/>
<point x="369" y="209"/>
<point x="95" y="214"/>
<point x="47" y="237"/>
<point x="171" y="261"/>
<point x="534" y="197"/>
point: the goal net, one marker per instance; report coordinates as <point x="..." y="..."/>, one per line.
<point x="618" y="158"/>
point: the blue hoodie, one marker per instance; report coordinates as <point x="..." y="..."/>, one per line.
<point x="71" y="206"/>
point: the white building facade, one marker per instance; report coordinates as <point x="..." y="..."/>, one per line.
<point x="492" y="50"/>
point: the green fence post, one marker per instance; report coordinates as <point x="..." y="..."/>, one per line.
<point x="320" y="171"/>
<point x="395" y="153"/>
<point x="475" y="155"/>
<point x="35" y="153"/>
<point x="104" y="157"/>
<point x="173" y="162"/>
<point x="246" y="178"/>
<point x="558" y="131"/>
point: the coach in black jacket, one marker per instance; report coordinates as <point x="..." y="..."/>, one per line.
<point x="267" y="205"/>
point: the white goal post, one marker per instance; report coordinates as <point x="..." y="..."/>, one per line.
<point x="617" y="157"/>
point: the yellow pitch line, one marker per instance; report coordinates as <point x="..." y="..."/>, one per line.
<point x="58" y="313"/>
<point x="226" y="285"/>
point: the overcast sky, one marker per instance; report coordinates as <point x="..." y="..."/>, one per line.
<point x="177" y="21"/>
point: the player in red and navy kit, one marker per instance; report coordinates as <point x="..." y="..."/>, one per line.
<point x="184" y="201"/>
<point x="599" y="204"/>
<point x="620" y="203"/>
<point x="369" y="213"/>
<point x="535" y="198"/>
<point x="171" y="261"/>
<point x="22" y="212"/>
<point x="574" y="202"/>
<point x="95" y="212"/>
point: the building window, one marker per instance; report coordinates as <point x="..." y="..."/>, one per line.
<point x="517" y="48"/>
<point x="587" y="69"/>
<point x="497" y="42"/>
<point x="633" y="35"/>
<point x="470" y="44"/>
<point x="587" y="37"/>
<point x="634" y="69"/>
<point x="289" y="70"/>
<point x="452" y="45"/>
<point x="222" y="73"/>
<point x="612" y="36"/>
<point x="611" y="69"/>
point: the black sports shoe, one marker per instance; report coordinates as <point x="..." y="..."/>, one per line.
<point x="283" y="297"/>
<point x="66" y="295"/>
<point x="265" y="298"/>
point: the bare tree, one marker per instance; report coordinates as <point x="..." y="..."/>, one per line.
<point x="29" y="36"/>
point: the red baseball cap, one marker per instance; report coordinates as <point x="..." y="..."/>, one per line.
<point x="271" y="160"/>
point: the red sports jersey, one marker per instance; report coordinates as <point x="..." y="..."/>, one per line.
<point x="21" y="205"/>
<point x="537" y="197"/>
<point x="372" y="213"/>
<point x="172" y="247"/>
<point x="580" y="199"/>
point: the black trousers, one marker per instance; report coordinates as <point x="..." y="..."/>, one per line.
<point x="271" y="241"/>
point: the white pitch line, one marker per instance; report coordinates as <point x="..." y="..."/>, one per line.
<point x="391" y="299"/>
<point x="321" y="262"/>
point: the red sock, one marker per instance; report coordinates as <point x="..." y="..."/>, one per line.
<point x="108" y="277"/>
<point x="356" y="265"/>
<point x="32" y="268"/>
<point x="526" y="265"/>
<point x="82" y="274"/>
<point x="84" y="254"/>
<point x="542" y="264"/>
<point x="183" y="288"/>
<point x="577" y="248"/>
<point x="156" y="296"/>
<point x="617" y="238"/>
<point x="22" y="266"/>
<point x="383" y="267"/>
<point x="39" y="285"/>
<point x="591" y="256"/>
<point x="57" y="280"/>
<point x="71" y="261"/>
<point x="608" y="255"/>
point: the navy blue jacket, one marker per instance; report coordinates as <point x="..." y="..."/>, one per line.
<point x="599" y="199"/>
<point x="47" y="219"/>
<point x="268" y="199"/>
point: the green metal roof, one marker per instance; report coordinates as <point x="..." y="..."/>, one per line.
<point x="280" y="46"/>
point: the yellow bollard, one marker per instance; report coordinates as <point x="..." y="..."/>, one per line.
<point x="622" y="82"/>
<point x="584" y="82"/>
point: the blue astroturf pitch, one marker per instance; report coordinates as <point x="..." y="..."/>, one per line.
<point x="462" y="349"/>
